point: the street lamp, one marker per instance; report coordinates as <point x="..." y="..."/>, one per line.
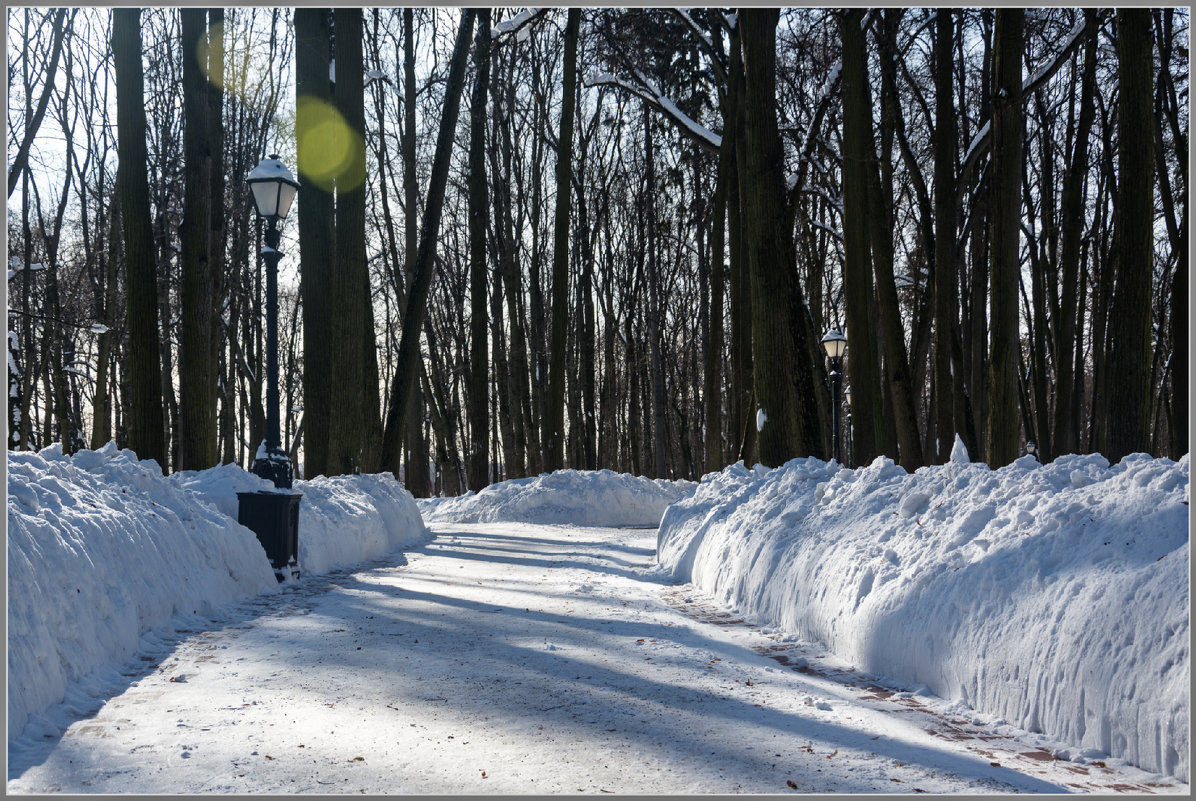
<point x="273" y="188"/>
<point x="272" y="515"/>
<point x="835" y="344"/>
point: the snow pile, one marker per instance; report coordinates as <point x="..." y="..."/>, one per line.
<point x="577" y="497"/>
<point x="343" y="521"/>
<point x="102" y="549"/>
<point x="1055" y="597"/>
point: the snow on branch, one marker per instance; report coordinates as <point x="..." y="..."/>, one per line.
<point x="644" y="89"/>
<point x="1084" y="28"/>
<point x="516" y="24"/>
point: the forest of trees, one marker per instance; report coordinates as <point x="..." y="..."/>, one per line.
<point x="600" y="238"/>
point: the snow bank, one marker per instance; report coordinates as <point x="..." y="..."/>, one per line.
<point x="343" y="521"/>
<point x="1055" y="597"/>
<point x="577" y="497"/>
<point x="102" y="548"/>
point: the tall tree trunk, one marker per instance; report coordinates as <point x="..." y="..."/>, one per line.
<point x="655" y="369"/>
<point x="512" y="281"/>
<point x="216" y="257"/>
<point x="586" y="345"/>
<point x="780" y="345"/>
<point x="197" y="368"/>
<point x="896" y="356"/>
<point x="407" y="367"/>
<point x="1130" y="342"/>
<point x="418" y="473"/>
<point x="712" y="391"/>
<point x="554" y="448"/>
<point x="980" y="253"/>
<point x="101" y="410"/>
<point x="479" y="213"/>
<point x="858" y="148"/>
<point x="1066" y="425"/>
<point x="145" y="420"/>
<point x="742" y="423"/>
<point x="352" y="328"/>
<point x="313" y="99"/>
<point x="1006" y="214"/>
<point x="944" y="279"/>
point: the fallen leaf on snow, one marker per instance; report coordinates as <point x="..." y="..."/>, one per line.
<point x="357" y="759"/>
<point x="791" y="784"/>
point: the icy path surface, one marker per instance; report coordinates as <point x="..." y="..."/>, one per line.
<point x="518" y="658"/>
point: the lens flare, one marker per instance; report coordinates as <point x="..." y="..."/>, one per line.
<point x="330" y="153"/>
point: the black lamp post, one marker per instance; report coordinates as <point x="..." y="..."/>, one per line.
<point x="273" y="189"/>
<point x="835" y="344"/>
<point x="273" y="515"/>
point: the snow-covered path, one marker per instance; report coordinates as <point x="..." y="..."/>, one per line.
<point x="518" y="658"/>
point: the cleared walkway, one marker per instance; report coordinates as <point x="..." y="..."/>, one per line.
<point x="514" y="659"/>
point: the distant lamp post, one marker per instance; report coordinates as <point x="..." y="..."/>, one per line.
<point x="835" y="344"/>
<point x="847" y="430"/>
<point x="1032" y="449"/>
<point x="273" y="189"/>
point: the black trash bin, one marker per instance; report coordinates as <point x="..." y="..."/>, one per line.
<point x="274" y="517"/>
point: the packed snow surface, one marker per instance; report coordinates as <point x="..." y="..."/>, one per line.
<point x="1055" y="597"/>
<point x="587" y="498"/>
<point x="102" y="549"/>
<point x="515" y="658"/>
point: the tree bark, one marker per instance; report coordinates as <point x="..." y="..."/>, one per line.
<point x="896" y="356"/>
<point x="313" y="97"/>
<point x="479" y="213"/>
<point x="712" y="390"/>
<point x="782" y="368"/>
<point x="858" y="149"/>
<point x="197" y="368"/>
<point x="1006" y="213"/>
<point x="145" y="420"/>
<point x="554" y="447"/>
<point x="1130" y="344"/>
<point x="1066" y="427"/>
<point x="418" y="473"/>
<point x="102" y="406"/>
<point x="742" y="425"/>
<point x="944" y="280"/>
<point x="351" y="328"/>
